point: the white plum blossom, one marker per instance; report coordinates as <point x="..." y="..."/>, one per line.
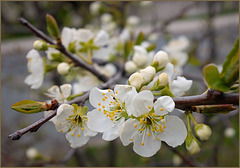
<point x="130" y="67"/>
<point x="151" y="124"/>
<point x="110" y="110"/>
<point x="71" y="120"/>
<point x="140" y="55"/>
<point x="63" y="68"/>
<point x="36" y="68"/>
<point x="108" y="69"/>
<point x="179" y="44"/>
<point x="60" y="94"/>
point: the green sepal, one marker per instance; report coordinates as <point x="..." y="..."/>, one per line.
<point x="140" y="38"/>
<point x="72" y="47"/>
<point x="213" y="79"/>
<point x="164" y="92"/>
<point x="71" y="97"/>
<point x="52" y="27"/>
<point x="151" y="47"/>
<point x="211" y="109"/>
<point x="230" y="72"/>
<point x="128" y="47"/>
<point x="29" y="106"/>
<point x="156" y="86"/>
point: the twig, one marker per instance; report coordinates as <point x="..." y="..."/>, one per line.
<point x="212" y="97"/>
<point x="63" y="50"/>
<point x="79" y="100"/>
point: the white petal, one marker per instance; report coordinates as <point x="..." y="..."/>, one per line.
<point x="75" y="140"/>
<point x="150" y="147"/>
<point x="127" y="131"/>
<point x="83" y="35"/>
<point x="101" y="38"/>
<point x="34" y="81"/>
<point x="54" y="119"/>
<point x="179" y="86"/>
<point x="66" y="90"/>
<point x="89" y="132"/>
<point x="67" y="36"/>
<point x="98" y="121"/>
<point x="141" y="103"/>
<point x="113" y="132"/>
<point x="100" y="96"/>
<point x="175" y="132"/>
<point x="164" y="105"/>
<point x="53" y="92"/>
<point x="64" y="111"/>
<point x="122" y="91"/>
<point x="169" y="69"/>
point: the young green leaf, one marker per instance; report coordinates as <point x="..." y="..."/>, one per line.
<point x="52" y="27"/>
<point x="230" y="72"/>
<point x="140" y="38"/>
<point x="212" y="78"/>
<point x="127" y="49"/>
<point x="29" y="106"/>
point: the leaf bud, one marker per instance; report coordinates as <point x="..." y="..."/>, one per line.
<point x="63" y="68"/>
<point x="136" y="80"/>
<point x="203" y="131"/>
<point x="148" y="74"/>
<point x="40" y="45"/>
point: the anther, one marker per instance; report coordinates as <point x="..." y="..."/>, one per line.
<point x="149" y="107"/>
<point x="160" y="118"/>
<point x="116" y="92"/>
<point x="103" y="94"/>
<point x="61" y="130"/>
<point x="99" y="109"/>
<point x="103" y="106"/>
<point x="99" y="104"/>
<point x="109" y="90"/>
<point x="153" y="114"/>
<point x="83" y="128"/>
<point x="164" y="126"/>
<point x="131" y="139"/>
<point x="72" y="134"/>
<point x="78" y="135"/>
<point x="135" y="125"/>
<point x="148" y="134"/>
<point x="161" y="109"/>
<point x="105" y="97"/>
<point x="164" y="122"/>
<point x="142" y="144"/>
<point x="157" y="138"/>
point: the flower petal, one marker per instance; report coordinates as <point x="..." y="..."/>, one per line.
<point x="169" y="69"/>
<point x="179" y="86"/>
<point x="175" y="132"/>
<point x="76" y="138"/>
<point x="122" y="91"/>
<point x="97" y="121"/>
<point x="164" y="105"/>
<point x="141" y="102"/>
<point x="89" y="132"/>
<point x="66" y="90"/>
<point x="127" y="131"/>
<point x="145" y="145"/>
<point x="113" y="132"/>
<point x="101" y="38"/>
<point x="34" y="81"/>
<point x="53" y="92"/>
<point x="100" y="96"/>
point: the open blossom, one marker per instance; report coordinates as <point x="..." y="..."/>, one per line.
<point x="74" y="123"/>
<point x="110" y="110"/>
<point x="151" y="124"/>
<point x="36" y="68"/>
<point x="60" y="94"/>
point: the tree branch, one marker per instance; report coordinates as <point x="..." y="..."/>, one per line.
<point x="63" y="50"/>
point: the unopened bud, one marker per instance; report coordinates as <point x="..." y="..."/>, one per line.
<point x="192" y="144"/>
<point x="40" y="45"/>
<point x="160" y="60"/>
<point x="139" y="59"/>
<point x="106" y="18"/>
<point x="163" y="79"/>
<point x="63" y="68"/>
<point x="177" y="160"/>
<point x="148" y="74"/>
<point x="133" y="20"/>
<point x="136" y="80"/>
<point x="203" y="131"/>
<point x="95" y="7"/>
<point x="229" y="132"/>
<point x="33" y="154"/>
<point x="130" y="67"/>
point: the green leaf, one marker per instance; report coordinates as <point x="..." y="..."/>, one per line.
<point x="213" y="79"/>
<point x="210" y="109"/>
<point x="151" y="47"/>
<point x="230" y="72"/>
<point x="29" y="106"/>
<point x="52" y="27"/>
<point x="127" y="49"/>
<point x="140" y="38"/>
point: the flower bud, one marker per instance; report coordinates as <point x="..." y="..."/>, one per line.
<point x="229" y="132"/>
<point x="95" y="7"/>
<point x="63" y="68"/>
<point x="148" y="74"/>
<point x="40" y="45"/>
<point x="133" y="20"/>
<point x="130" y="67"/>
<point x="192" y="144"/>
<point x="33" y="154"/>
<point x="106" y="18"/>
<point x="163" y="79"/>
<point x="203" y="131"/>
<point x="177" y="160"/>
<point x="139" y="59"/>
<point x="136" y="80"/>
<point x="160" y="60"/>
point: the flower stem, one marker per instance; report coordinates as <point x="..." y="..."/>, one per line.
<point x="189" y="124"/>
<point x="193" y="119"/>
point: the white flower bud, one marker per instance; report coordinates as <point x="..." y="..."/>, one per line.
<point x="40" y="45"/>
<point x="145" y="3"/>
<point x="192" y="144"/>
<point x="63" y="68"/>
<point x="177" y="161"/>
<point x="106" y="18"/>
<point x="203" y="131"/>
<point x="130" y="67"/>
<point x="133" y="20"/>
<point x="160" y="59"/>
<point x="229" y="132"/>
<point x="163" y="79"/>
<point x="148" y="74"/>
<point x="136" y="80"/>
<point x="32" y="153"/>
<point x="94" y="7"/>
<point x="139" y="57"/>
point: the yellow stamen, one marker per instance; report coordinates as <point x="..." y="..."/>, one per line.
<point x="103" y="94"/>
<point x="116" y="99"/>
<point x="67" y="118"/>
<point x="99" y="104"/>
<point x="109" y="90"/>
<point x="99" y="109"/>
<point x="142" y="144"/>
<point x="78" y="135"/>
<point x="146" y="115"/>
<point x="161" y="109"/>
<point x="157" y="138"/>
<point x="105" y="112"/>
<point x="103" y="106"/>
<point x="116" y="92"/>
<point x="148" y="134"/>
<point x="61" y="130"/>
<point x="135" y="125"/>
<point x="164" y="122"/>
<point x="106" y="97"/>
<point x="164" y="126"/>
<point x="112" y="119"/>
<point x="72" y="134"/>
<point x="160" y="118"/>
<point x="83" y="128"/>
<point x="103" y="99"/>
<point x="131" y="139"/>
<point x="149" y="107"/>
<point x="153" y="114"/>
<point x="71" y="129"/>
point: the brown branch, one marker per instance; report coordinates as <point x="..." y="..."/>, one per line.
<point x="63" y="50"/>
<point x="212" y="97"/>
<point x="79" y="100"/>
